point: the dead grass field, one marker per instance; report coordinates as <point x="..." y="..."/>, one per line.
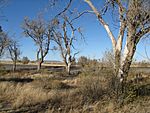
<point x="87" y="92"/>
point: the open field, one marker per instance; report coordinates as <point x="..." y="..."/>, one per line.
<point x="29" y="91"/>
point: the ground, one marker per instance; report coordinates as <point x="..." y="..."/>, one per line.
<point x="57" y="92"/>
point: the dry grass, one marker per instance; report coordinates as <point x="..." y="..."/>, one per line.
<point x="22" y="94"/>
<point x="51" y="94"/>
<point x="92" y="88"/>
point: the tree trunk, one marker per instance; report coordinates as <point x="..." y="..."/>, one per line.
<point x="128" y="59"/>
<point x="14" y="66"/>
<point x="39" y="65"/>
<point x="68" y="66"/>
<point x="117" y="62"/>
<point x="129" y="51"/>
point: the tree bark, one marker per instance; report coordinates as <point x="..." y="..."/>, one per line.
<point x="117" y="62"/>
<point x="68" y="67"/>
<point x="129" y="50"/>
<point x="128" y="59"/>
<point x="39" y="65"/>
<point x="14" y="66"/>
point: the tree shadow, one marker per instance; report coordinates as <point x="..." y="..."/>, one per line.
<point x="21" y="80"/>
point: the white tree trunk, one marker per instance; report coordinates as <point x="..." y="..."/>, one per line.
<point x="39" y="65"/>
<point x="68" y="66"/>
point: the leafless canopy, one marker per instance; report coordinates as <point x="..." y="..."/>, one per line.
<point x="64" y="38"/>
<point x="14" y="51"/>
<point x="40" y="33"/>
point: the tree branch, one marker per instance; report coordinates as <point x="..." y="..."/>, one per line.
<point x="122" y="25"/>
<point x="111" y="36"/>
<point x="80" y="14"/>
<point x="65" y="9"/>
<point x="141" y="33"/>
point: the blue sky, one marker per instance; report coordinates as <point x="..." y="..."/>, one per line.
<point x="97" y="41"/>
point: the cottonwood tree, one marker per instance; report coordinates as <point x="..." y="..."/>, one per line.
<point x="14" y="52"/>
<point x="65" y="42"/>
<point x="65" y="39"/>
<point x="134" y="23"/>
<point x="40" y="32"/>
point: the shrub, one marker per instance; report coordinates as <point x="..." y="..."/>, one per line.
<point x="92" y="88"/>
<point x="25" y="60"/>
<point x="82" y="61"/>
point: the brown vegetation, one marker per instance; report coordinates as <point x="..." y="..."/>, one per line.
<point x="91" y="91"/>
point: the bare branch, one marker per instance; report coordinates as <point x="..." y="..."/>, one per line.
<point x="14" y="51"/>
<point x="105" y="25"/>
<point x="122" y="25"/>
<point x="65" y="9"/>
<point x="141" y="33"/>
<point x="80" y="14"/>
<point x="41" y="33"/>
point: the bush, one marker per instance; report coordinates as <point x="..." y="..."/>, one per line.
<point x="25" y="60"/>
<point x="92" y="88"/>
<point x="82" y="61"/>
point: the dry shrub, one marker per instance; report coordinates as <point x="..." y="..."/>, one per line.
<point x="25" y="60"/>
<point x="56" y="99"/>
<point x="92" y="88"/>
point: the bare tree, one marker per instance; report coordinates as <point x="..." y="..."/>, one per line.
<point x="40" y="33"/>
<point x="3" y="42"/>
<point x="14" y="52"/>
<point x="134" y="20"/>
<point x="66" y="37"/>
<point x="65" y="42"/>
